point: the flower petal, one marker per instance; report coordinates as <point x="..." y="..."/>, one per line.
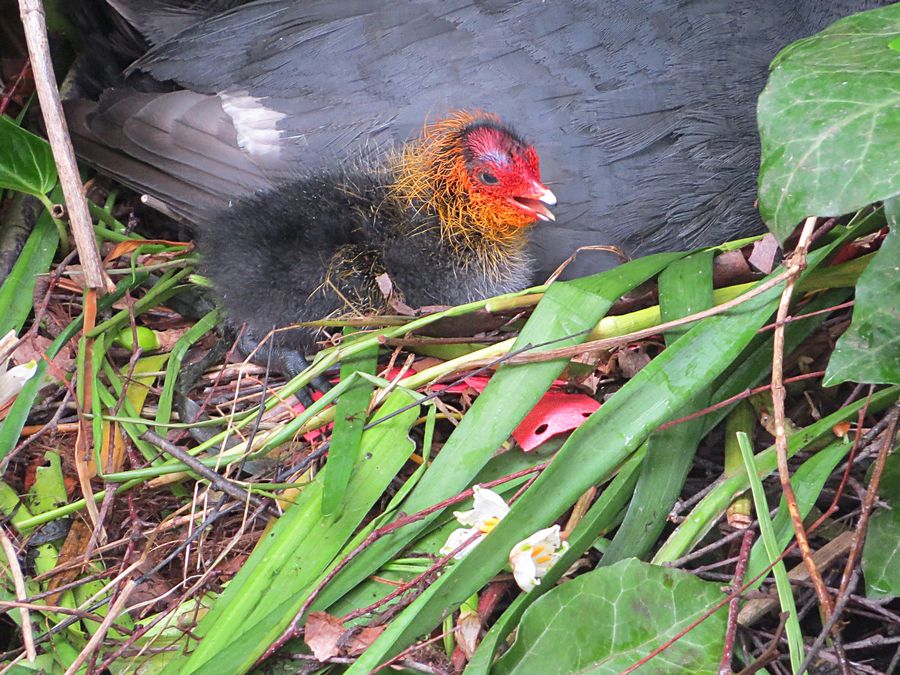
<point x="12" y="381"/>
<point x="488" y="504"/>
<point x="532" y="557"/>
<point x="457" y="538"/>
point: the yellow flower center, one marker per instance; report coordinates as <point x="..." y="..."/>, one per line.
<point x="488" y="524"/>
<point x="537" y="557"/>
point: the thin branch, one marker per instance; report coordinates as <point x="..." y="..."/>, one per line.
<point x="795" y="265"/>
<point x="35" y="25"/>
<point x="851" y="572"/>
<point x="216" y="479"/>
<point x="98" y="637"/>
<point x="739" y="569"/>
<point x="21" y="594"/>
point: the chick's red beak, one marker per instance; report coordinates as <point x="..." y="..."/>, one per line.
<point x="536" y="203"/>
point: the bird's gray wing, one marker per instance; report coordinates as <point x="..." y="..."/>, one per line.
<point x="180" y="147"/>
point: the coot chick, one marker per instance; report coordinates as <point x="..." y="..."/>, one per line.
<point x="446" y="219"/>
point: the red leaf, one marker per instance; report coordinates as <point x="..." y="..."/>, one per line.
<point x="556" y="413"/>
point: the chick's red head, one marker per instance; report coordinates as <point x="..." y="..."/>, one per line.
<point x="504" y="172"/>
<point x="477" y="175"/>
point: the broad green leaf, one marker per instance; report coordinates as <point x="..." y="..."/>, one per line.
<point x="351" y="418"/>
<point x="17" y="291"/>
<point x="611" y="618"/>
<point x="881" y="553"/>
<point x="26" y="163"/>
<point x="296" y="551"/>
<point x="829" y="122"/>
<point x="889" y="488"/>
<point x="685" y="287"/>
<point x="869" y="352"/>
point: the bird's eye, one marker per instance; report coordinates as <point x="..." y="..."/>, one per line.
<point x="488" y="178"/>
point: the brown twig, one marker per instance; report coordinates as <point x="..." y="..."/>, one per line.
<point x="851" y="573"/>
<point x="21" y="594"/>
<point x="731" y="631"/>
<point x="795" y="265"/>
<point x="409" y="650"/>
<point x="114" y="611"/>
<point x="747" y="393"/>
<point x="35" y="25"/>
<point x="217" y="480"/>
<point x="607" y="343"/>
<point x="771" y="651"/>
<point x="11" y="90"/>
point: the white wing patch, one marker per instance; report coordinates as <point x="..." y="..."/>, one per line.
<point x="256" y="125"/>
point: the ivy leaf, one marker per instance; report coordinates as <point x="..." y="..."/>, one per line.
<point x="26" y="163"/>
<point x="611" y="618"/>
<point x="881" y="553"/>
<point x="869" y="351"/>
<point x="829" y="122"/>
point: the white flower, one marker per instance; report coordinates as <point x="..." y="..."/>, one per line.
<point x="489" y="510"/>
<point x="530" y="559"/>
<point x="12" y="381"/>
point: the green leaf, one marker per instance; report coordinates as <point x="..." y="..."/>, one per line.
<point x="609" y="619"/>
<point x="869" y="352"/>
<point x="807" y="481"/>
<point x="881" y="553"/>
<point x="685" y="287"/>
<point x="26" y="163"/>
<point x="274" y="582"/>
<point x="773" y="551"/>
<point x="17" y="291"/>
<point x="829" y="122"/>
<point x="350" y="418"/>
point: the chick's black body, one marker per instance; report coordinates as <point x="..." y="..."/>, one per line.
<point x="315" y="248"/>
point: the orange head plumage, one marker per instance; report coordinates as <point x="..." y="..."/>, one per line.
<point x="478" y="177"/>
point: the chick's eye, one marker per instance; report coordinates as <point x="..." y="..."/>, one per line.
<point x="488" y="178"/>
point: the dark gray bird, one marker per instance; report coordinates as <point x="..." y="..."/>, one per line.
<point x="644" y="112"/>
<point x="286" y="132"/>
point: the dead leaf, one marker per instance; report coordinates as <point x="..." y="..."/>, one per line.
<point x="763" y="255"/>
<point x="394" y="300"/>
<point x="731" y="268"/>
<point x="631" y="361"/>
<point x="125" y="247"/>
<point x="468" y="629"/>
<point x="72" y="549"/>
<point x="34" y="347"/>
<point x="327" y="637"/>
